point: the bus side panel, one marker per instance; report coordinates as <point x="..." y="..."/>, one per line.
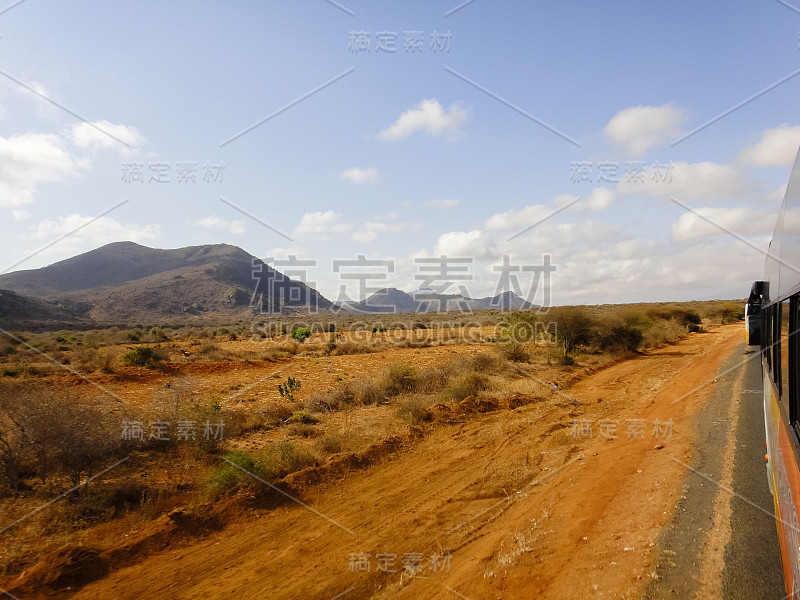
<point x="785" y="485"/>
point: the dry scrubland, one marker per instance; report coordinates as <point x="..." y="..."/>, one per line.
<point x="345" y="393"/>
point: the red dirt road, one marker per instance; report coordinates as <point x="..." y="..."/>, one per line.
<point x="512" y="504"/>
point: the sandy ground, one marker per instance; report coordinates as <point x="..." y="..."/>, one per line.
<point x="560" y="498"/>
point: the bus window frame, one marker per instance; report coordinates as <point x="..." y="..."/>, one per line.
<point x="794" y="367"/>
<point x="776" y="346"/>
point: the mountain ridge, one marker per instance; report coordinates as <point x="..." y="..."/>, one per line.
<point x="393" y="300"/>
<point x="125" y="281"/>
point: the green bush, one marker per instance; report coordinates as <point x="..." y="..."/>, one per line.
<point x="228" y="477"/>
<point x="573" y="327"/>
<point x="518" y="327"/>
<point x="301" y="416"/>
<point x="143" y="356"/>
<point x="301" y="334"/>
<point x="288" y="389"/>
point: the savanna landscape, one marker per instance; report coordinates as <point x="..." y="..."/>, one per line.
<point x="157" y="440"/>
<point x="357" y="300"/>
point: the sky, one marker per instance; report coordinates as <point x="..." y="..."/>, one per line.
<point x="639" y="149"/>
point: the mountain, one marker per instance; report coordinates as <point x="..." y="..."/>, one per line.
<point x="392" y="300"/>
<point x="32" y="314"/>
<point x="126" y="282"/>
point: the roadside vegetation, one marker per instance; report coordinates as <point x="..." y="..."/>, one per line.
<point x="60" y="426"/>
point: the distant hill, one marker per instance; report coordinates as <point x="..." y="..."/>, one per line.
<point x="32" y="314"/>
<point x="127" y="282"/>
<point x="392" y="300"/>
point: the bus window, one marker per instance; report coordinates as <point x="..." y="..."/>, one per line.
<point x="775" y="338"/>
<point x="794" y="360"/>
<point x="785" y="350"/>
<point x="766" y="339"/>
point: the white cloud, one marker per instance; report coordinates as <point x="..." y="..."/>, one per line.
<point x="20" y="215"/>
<point x="29" y="159"/>
<point x="430" y="117"/>
<point x="369" y="231"/>
<point x="101" y="231"/>
<point x="743" y="221"/>
<point x="475" y="244"/>
<point x="320" y="224"/>
<point x="639" y="128"/>
<point x="686" y="181"/>
<point x="104" y="135"/>
<point x="235" y="227"/>
<point x="517" y="219"/>
<point x="531" y="214"/>
<point x="774" y="196"/>
<point x="598" y="199"/>
<point x="777" y="148"/>
<point x="444" y="203"/>
<point x="365" y="236"/>
<point x="360" y="176"/>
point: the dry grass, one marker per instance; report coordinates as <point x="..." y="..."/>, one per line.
<point x="466" y="385"/>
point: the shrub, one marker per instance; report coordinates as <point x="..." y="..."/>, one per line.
<point x="399" y="379"/>
<point x="288" y="389"/>
<point x="431" y="380"/>
<point x="91" y="360"/>
<point x="235" y="473"/>
<point x="301" y="334"/>
<point x="44" y="432"/>
<point x="275" y="415"/>
<point x="485" y="363"/>
<point x="518" y="327"/>
<point x="364" y="391"/>
<point x="330" y="444"/>
<point x="214" y="353"/>
<point x="663" y="332"/>
<point x="617" y="335"/>
<point x="413" y="411"/>
<point x="305" y="430"/>
<point x="328" y="400"/>
<point x="301" y="416"/>
<point x="343" y="348"/>
<point x="469" y="384"/>
<point x="142" y="356"/>
<point x="282" y="458"/>
<point x="573" y="326"/>
<point x="514" y="351"/>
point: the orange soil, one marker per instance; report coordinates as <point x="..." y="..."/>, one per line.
<point x="523" y="507"/>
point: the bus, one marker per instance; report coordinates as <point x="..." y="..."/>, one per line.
<point x="773" y="317"/>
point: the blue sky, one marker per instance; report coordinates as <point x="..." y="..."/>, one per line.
<point x="409" y="154"/>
